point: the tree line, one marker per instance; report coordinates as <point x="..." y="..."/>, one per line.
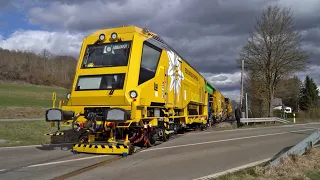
<point x="44" y="68"/>
<point x="272" y="55"/>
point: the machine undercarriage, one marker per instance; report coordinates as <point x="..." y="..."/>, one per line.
<point x="100" y="136"/>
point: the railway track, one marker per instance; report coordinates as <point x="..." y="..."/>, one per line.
<point x="117" y="157"/>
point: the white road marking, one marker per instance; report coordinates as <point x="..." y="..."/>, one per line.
<point x="2" y="170"/>
<point x="232" y="170"/>
<point x="71" y="160"/>
<point x="258" y="128"/>
<point x="224" y="140"/>
<point x="170" y="147"/>
<point x="293" y="125"/>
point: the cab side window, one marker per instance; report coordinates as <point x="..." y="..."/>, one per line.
<point x="149" y="62"/>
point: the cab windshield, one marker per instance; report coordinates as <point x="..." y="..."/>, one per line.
<point x="100" y="82"/>
<point x="106" y="55"/>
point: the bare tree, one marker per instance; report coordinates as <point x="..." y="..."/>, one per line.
<point x="28" y="67"/>
<point x="253" y="84"/>
<point x="274" y="49"/>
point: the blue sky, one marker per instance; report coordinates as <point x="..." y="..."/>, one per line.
<point x="11" y="21"/>
<point x="223" y="25"/>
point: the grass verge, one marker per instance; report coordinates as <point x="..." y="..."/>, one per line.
<point x="304" y="120"/>
<point x="306" y="167"/>
<point x="26" y="101"/>
<point x="31" y="133"/>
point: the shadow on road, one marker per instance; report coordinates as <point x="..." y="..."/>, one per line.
<point x="64" y="142"/>
<point x="281" y="152"/>
<point x="304" y="133"/>
<point x="63" y="147"/>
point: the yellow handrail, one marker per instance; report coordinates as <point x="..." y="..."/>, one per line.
<point x="60" y="103"/>
<point x="54" y="98"/>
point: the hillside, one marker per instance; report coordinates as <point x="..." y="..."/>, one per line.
<point x="27" y="81"/>
<point x="40" y="69"/>
<point x="19" y="100"/>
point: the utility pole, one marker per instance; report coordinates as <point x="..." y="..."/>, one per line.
<point x="241" y="96"/>
<point x="247" y="116"/>
<point x="241" y="91"/>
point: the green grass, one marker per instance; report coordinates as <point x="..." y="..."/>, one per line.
<point x="15" y="95"/>
<point x="27" y="101"/>
<point x="26" y="133"/>
<point x="304" y="120"/>
<point x="313" y="175"/>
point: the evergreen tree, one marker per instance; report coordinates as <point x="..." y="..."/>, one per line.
<point x="309" y="95"/>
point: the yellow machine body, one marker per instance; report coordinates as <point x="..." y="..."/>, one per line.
<point x="129" y="80"/>
<point x="228" y="108"/>
<point x="174" y="83"/>
<point x="223" y="107"/>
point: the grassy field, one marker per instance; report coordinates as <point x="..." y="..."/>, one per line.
<point x="32" y="133"/>
<point x="306" y="167"/>
<point x="26" y="101"/>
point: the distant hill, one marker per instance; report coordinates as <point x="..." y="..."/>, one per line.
<point x="39" y="69"/>
<point x="27" y="81"/>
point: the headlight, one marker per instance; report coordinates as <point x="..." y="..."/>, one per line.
<point x="54" y="115"/>
<point x="133" y="94"/>
<point x="116" y="115"/>
<point x="68" y="96"/>
<point x="102" y="37"/>
<point x="114" y="36"/>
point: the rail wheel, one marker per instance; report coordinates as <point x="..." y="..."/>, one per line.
<point x="149" y="137"/>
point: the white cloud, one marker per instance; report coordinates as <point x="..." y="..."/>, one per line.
<point x="232" y="78"/>
<point x="59" y="43"/>
<point x="227" y="84"/>
<point x="311" y="48"/>
<point x="232" y="95"/>
<point x="223" y="79"/>
<point x="75" y="16"/>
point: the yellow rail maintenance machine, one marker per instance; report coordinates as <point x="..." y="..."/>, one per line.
<point x="131" y="89"/>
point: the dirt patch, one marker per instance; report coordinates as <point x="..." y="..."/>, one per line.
<point x="21" y="112"/>
<point x="17" y="82"/>
<point x="293" y="167"/>
<point x="27" y="94"/>
<point x="224" y="125"/>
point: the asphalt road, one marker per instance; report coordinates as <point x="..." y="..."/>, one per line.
<point x="190" y="156"/>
